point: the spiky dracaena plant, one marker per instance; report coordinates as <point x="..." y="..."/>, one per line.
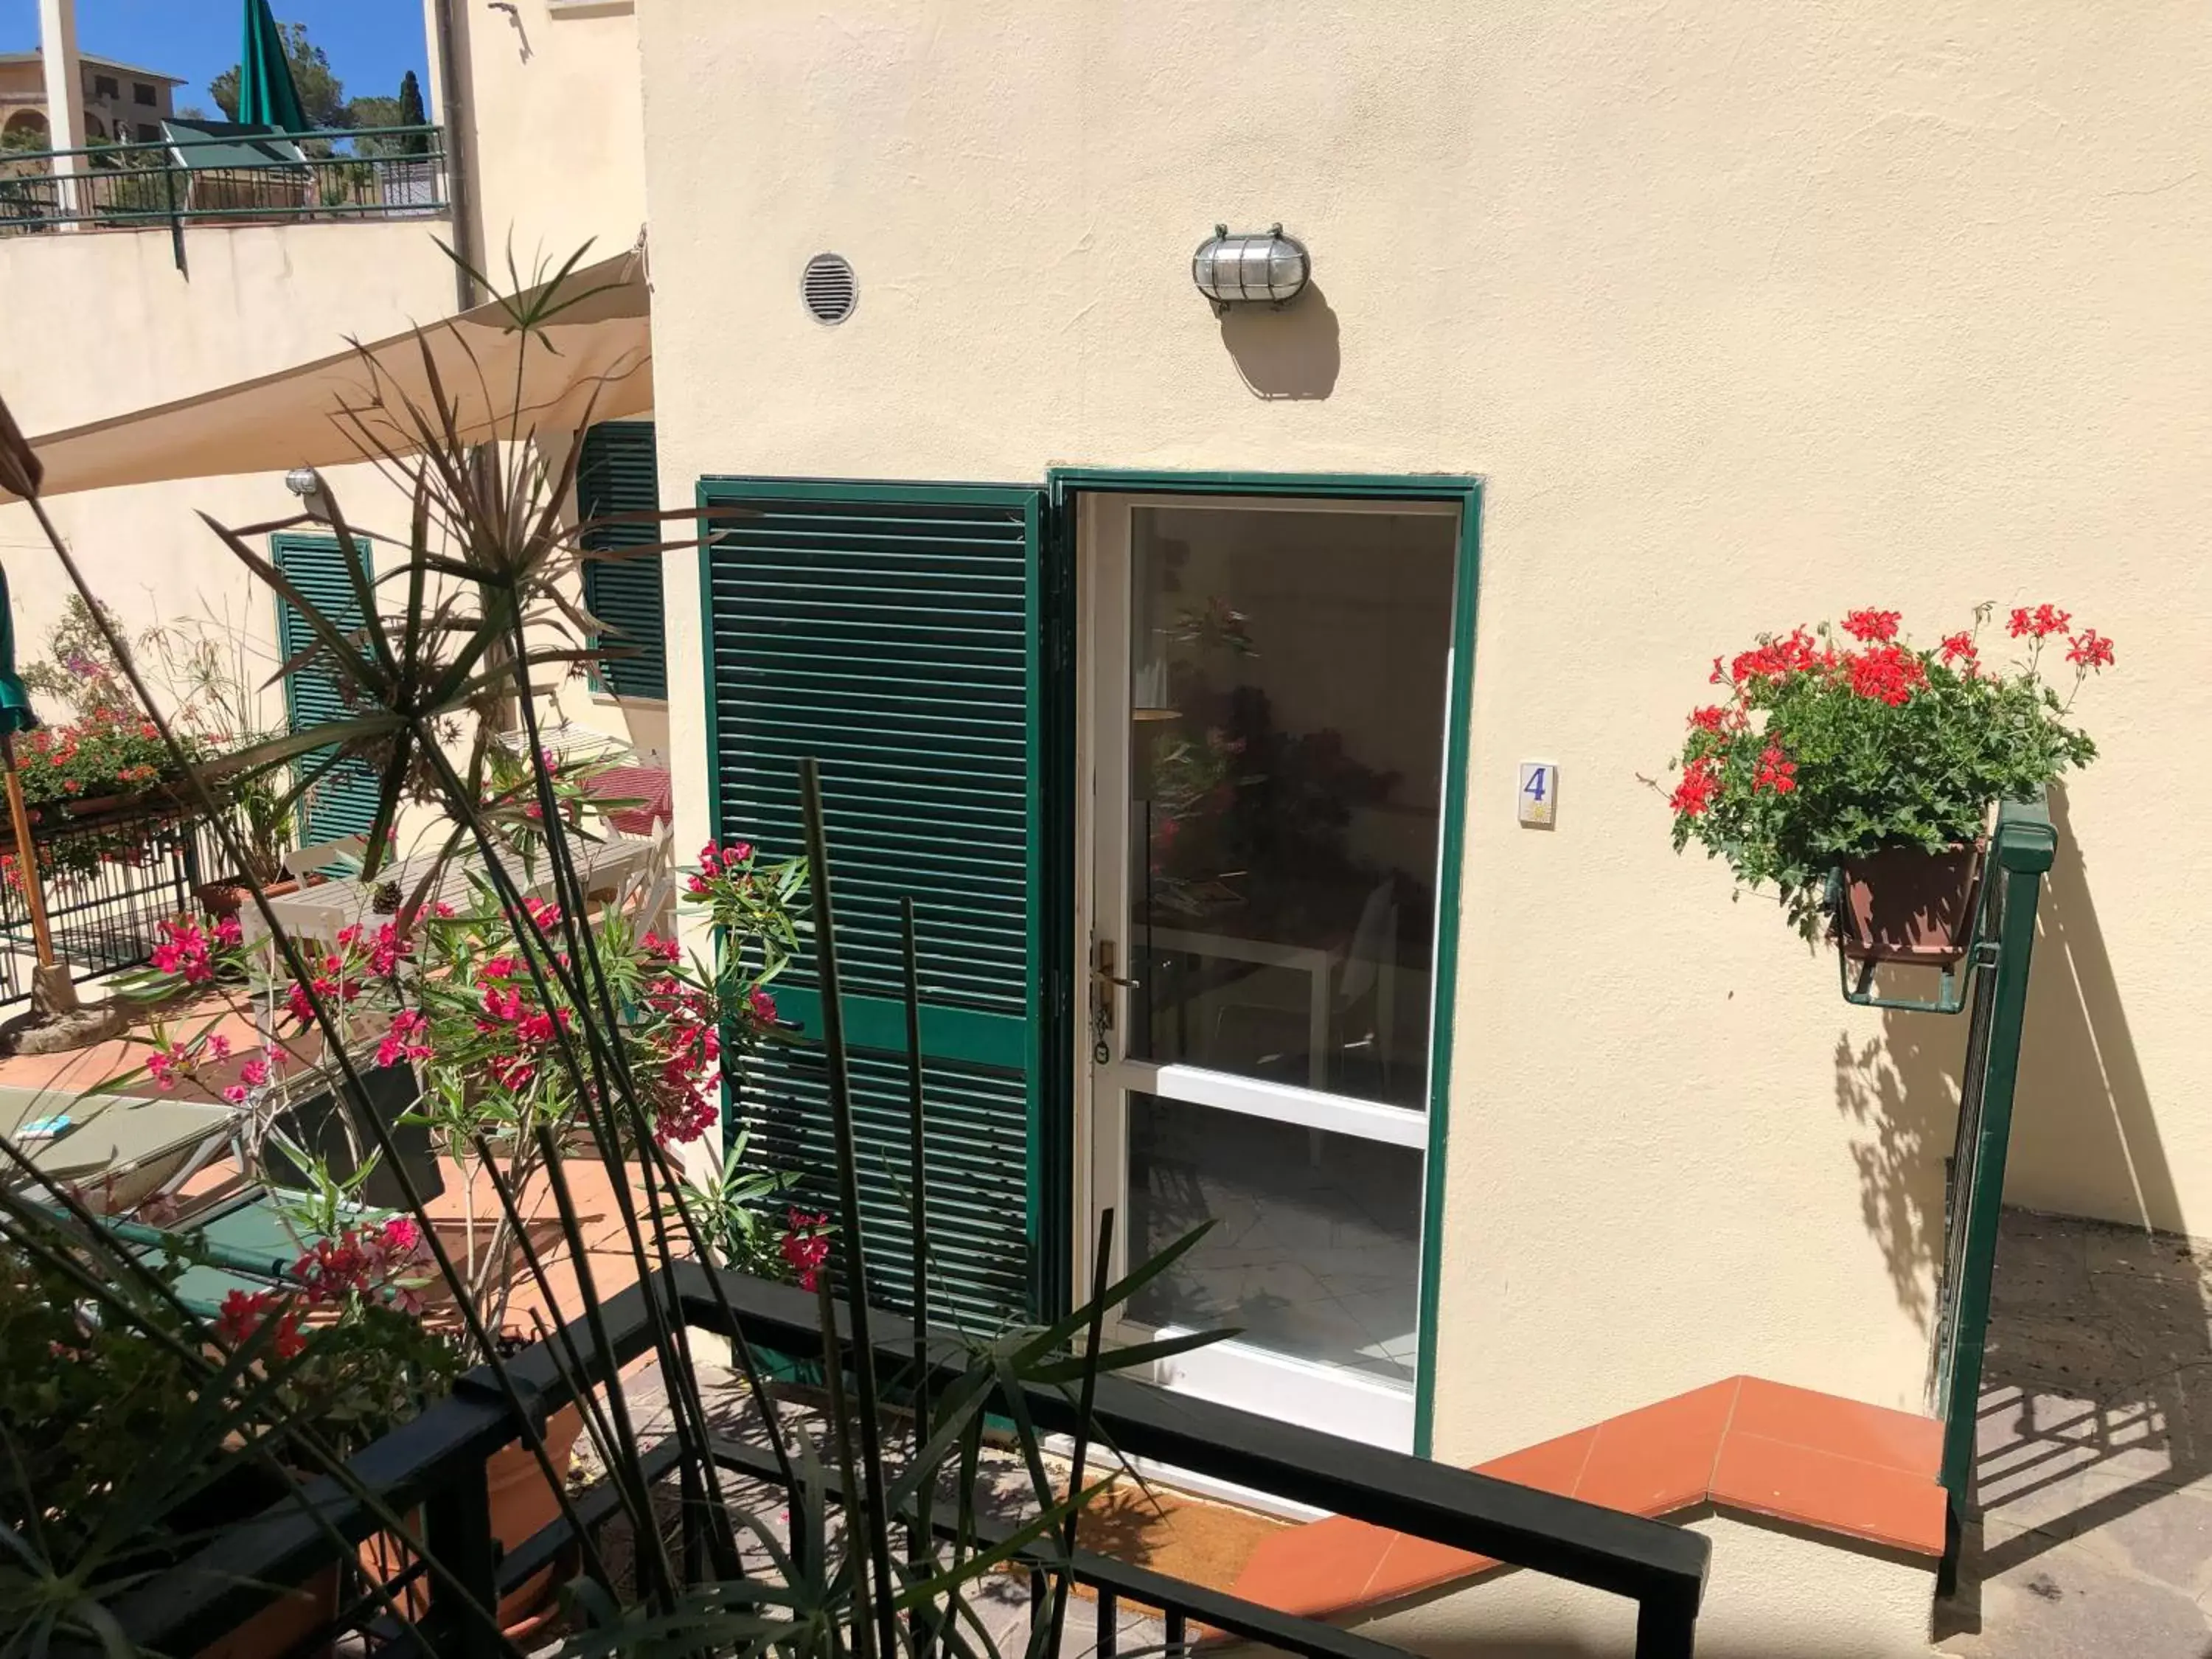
<point x="471" y="610"/>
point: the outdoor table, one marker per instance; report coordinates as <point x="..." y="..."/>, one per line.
<point x="325" y="910"/>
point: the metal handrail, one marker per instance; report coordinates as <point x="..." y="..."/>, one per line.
<point x="437" y="1461"/>
<point x="342" y="172"/>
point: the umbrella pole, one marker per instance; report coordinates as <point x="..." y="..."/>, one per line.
<point x="53" y="992"/>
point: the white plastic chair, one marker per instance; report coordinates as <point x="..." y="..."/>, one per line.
<point x="305" y="861"/>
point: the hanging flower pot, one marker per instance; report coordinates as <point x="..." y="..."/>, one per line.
<point x="1907" y="904"/>
<point x="1855" y="772"/>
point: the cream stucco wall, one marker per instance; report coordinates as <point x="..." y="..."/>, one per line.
<point x="1746" y="314"/>
<point x="1771" y="1592"/>
<point x="552" y="129"/>
<point x="256" y="301"/>
<point x="553" y="142"/>
<point x="99" y="323"/>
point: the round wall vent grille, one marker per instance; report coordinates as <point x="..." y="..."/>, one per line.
<point x="828" y="288"/>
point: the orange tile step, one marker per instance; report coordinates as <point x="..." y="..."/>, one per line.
<point x="1815" y="1460"/>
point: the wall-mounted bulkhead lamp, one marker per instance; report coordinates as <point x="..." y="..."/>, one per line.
<point x="1252" y="268"/>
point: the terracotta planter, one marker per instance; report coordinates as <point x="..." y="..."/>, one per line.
<point x="284" y="1623"/>
<point x="98" y="806"/>
<point x="221" y="898"/>
<point x="522" y="1506"/>
<point x="1906" y="905"/>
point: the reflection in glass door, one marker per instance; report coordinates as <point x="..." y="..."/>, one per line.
<point x="1266" y="758"/>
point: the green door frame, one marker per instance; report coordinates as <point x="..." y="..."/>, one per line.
<point x="1065" y="483"/>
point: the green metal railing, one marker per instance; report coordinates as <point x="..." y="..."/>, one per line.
<point x="377" y="173"/>
<point x="2020" y="852"/>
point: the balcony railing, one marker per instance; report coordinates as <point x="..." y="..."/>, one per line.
<point x="373" y="173"/>
<point x="109" y="880"/>
<point x="437" y="1461"/>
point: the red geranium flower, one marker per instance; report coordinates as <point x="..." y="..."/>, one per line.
<point x="1872" y="626"/>
<point x="1701" y="783"/>
<point x="2089" y="649"/>
<point x="1777" y="771"/>
<point x="1889" y="672"/>
<point x="2040" y="623"/>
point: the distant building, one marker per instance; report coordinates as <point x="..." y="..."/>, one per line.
<point x="122" y="103"/>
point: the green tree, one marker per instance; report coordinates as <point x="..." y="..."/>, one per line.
<point x="322" y="94"/>
<point x="364" y="114"/>
<point x="413" y="114"/>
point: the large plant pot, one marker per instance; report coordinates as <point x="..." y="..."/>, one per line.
<point x="522" y="1506"/>
<point x="281" y="1627"/>
<point x="221" y="898"/>
<point x="1907" y="904"/>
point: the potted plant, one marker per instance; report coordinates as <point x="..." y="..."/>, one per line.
<point x="449" y="992"/>
<point x="265" y="818"/>
<point x="90" y="1384"/>
<point x="96" y="766"/>
<point x="1848" y="759"/>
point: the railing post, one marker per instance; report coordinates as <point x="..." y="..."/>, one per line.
<point x="176" y="219"/>
<point x="1666" y="1627"/>
<point x="2022" y="851"/>
<point x="457" y="1531"/>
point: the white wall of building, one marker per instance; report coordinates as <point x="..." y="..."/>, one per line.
<point x="1747" y="315"/>
<point x="99" y="323"/>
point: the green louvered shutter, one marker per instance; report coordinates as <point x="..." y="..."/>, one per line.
<point x="618" y="473"/>
<point x="343" y="802"/>
<point x="892" y="632"/>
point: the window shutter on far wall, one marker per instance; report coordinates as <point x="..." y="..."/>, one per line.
<point x="892" y="633"/>
<point x="343" y="802"/>
<point x="619" y="473"/>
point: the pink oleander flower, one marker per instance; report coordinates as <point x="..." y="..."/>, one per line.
<point x="404" y="1039"/>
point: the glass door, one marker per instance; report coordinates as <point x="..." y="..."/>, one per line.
<point x="1265" y="754"/>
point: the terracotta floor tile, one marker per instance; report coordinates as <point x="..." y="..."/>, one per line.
<point x="1659" y="1458"/>
<point x="1820" y="1489"/>
<point x="1320" y="1568"/>
<point x="1554" y="1466"/>
<point x="1415" y="1564"/>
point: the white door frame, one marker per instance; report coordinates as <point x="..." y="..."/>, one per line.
<point x="1343" y="1401"/>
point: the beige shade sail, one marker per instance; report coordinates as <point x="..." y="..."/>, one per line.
<point x="599" y="368"/>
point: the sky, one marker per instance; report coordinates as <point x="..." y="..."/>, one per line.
<point x="370" y="43"/>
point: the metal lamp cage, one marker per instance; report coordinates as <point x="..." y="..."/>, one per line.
<point x="1251" y="268"/>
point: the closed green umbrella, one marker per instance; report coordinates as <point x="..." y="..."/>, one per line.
<point x="16" y="715"/>
<point x="16" y="711"/>
<point x="266" y="96"/>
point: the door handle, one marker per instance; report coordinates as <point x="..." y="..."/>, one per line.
<point x="1102" y="969"/>
<point x="1104" y="981"/>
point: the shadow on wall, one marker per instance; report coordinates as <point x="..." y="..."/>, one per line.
<point x="1899" y="1092"/>
<point x="1290" y="354"/>
<point x="2080" y="1106"/>
<point x="2084" y="1111"/>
